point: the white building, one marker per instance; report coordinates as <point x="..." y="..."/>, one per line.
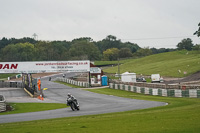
<point x="128" y="77"/>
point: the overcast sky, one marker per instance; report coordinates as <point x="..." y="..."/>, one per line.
<point x="153" y="23"/>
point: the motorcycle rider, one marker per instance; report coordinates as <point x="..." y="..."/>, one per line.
<point x="71" y="96"/>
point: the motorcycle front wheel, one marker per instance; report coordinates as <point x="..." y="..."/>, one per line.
<point x="72" y="106"/>
<point x="78" y="108"/>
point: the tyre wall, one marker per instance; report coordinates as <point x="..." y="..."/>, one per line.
<point x="73" y="82"/>
<point x="193" y="93"/>
<point x="2" y="104"/>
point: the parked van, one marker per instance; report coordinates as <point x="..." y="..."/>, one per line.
<point x="156" y="78"/>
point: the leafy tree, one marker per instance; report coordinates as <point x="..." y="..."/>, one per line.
<point x="26" y="51"/>
<point x="22" y="40"/>
<point x="59" y="51"/>
<point x="185" y="44"/>
<point x="161" y="50"/>
<point x="44" y="51"/>
<point x="18" y="52"/>
<point x="154" y="50"/>
<point x="87" y="39"/>
<point x="8" y="53"/>
<point x="111" y="54"/>
<point x="84" y="49"/>
<point x="143" y="52"/>
<point x="3" y="42"/>
<point x="109" y="42"/>
<point x="110" y="48"/>
<point x="132" y="46"/>
<point x="51" y="51"/>
<point x="125" y="52"/>
<point x="198" y="31"/>
<point x="196" y="47"/>
<point x="66" y="44"/>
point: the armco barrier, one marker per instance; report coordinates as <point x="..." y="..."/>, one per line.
<point x="2" y="103"/>
<point x="193" y="93"/>
<point x="73" y="82"/>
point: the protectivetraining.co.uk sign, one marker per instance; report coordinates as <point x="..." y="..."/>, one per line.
<point x="45" y="66"/>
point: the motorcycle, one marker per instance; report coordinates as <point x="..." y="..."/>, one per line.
<point x="73" y="104"/>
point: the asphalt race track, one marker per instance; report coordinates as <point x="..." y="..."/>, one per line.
<point x="90" y="103"/>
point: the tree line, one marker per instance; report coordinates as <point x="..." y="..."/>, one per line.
<point x="110" y="48"/>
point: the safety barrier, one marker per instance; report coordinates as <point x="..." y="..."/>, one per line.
<point x="185" y="85"/>
<point x="73" y="82"/>
<point x="11" y="84"/>
<point x="194" y="93"/>
<point x="2" y="103"/>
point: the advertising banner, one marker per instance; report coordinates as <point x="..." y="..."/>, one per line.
<point x="95" y="70"/>
<point x="45" y="66"/>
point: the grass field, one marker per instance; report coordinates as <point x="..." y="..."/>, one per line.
<point x="32" y="107"/>
<point x="5" y="76"/>
<point x="99" y="63"/>
<point x="181" y="115"/>
<point x="166" y="64"/>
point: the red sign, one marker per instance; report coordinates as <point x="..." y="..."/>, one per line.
<point x="8" y="66"/>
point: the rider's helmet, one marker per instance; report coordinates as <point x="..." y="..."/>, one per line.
<point x="69" y="95"/>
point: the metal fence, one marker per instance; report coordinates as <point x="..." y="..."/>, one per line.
<point x="11" y="85"/>
<point x="2" y="103"/>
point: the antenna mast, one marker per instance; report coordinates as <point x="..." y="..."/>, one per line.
<point x="35" y="36"/>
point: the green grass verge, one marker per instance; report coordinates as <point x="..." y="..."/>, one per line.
<point x="70" y="85"/>
<point x="33" y="107"/>
<point x="5" y="76"/>
<point x="99" y="63"/>
<point x="181" y="115"/>
<point x="166" y="64"/>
